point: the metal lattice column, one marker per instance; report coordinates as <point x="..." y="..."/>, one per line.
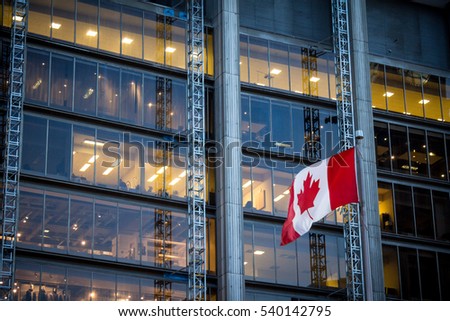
<point x="344" y="102"/>
<point x="196" y="153"/>
<point x="318" y="259"/>
<point x="13" y="126"/>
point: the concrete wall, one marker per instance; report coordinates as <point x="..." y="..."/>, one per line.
<point x="408" y="31"/>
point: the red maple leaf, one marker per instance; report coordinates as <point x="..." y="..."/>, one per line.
<point x="307" y="196"/>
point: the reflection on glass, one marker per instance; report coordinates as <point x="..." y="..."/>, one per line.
<point x="175" y="48"/>
<point x="132" y="152"/>
<point x="428" y="276"/>
<point x="103" y="287"/>
<point x="87" y="15"/>
<point x="107" y="163"/>
<point x="281" y="129"/>
<point x="260" y="120"/>
<point x="394" y="90"/>
<point x="424" y="213"/>
<point x="245" y="119"/>
<point x="61" y="83"/>
<point x="444" y="267"/>
<point x="382" y="145"/>
<point x="386" y="207"/>
<point x="414" y="101"/>
<point x="150" y="98"/>
<point x="209" y="51"/>
<point x="176" y="105"/>
<point x="34" y="144"/>
<point x="441" y="204"/>
<point x="409" y="272"/>
<point x="127" y="288"/>
<point x="248" y="251"/>
<point x="131" y="97"/>
<point x="105" y="229"/>
<point x="390" y="267"/>
<point x="153" y="37"/>
<point x="62" y="25"/>
<point x="445" y="92"/>
<point x="262" y="189"/>
<point x="285" y="260"/>
<point x="53" y="280"/>
<point x="247" y="200"/>
<point x="85" y="87"/>
<point x="431" y="99"/>
<point x="128" y="240"/>
<point x="80" y="225"/>
<point x="299" y="70"/>
<point x="56" y="220"/>
<point x="318" y="74"/>
<point x="37" y="68"/>
<point x="264" y="252"/>
<point x="29" y="230"/>
<point x="418" y="150"/>
<point x="109" y="31"/>
<point x="259" y="64"/>
<point x="278" y="74"/>
<point x="404" y="210"/>
<point x="399" y="145"/>
<point x="282" y="180"/>
<point x="379" y="96"/>
<point x="59" y="139"/>
<point x="83" y="155"/>
<point x="131" y="32"/>
<point x="108" y="89"/>
<point x="298" y="126"/>
<point x="436" y="155"/>
<point x="39" y="17"/>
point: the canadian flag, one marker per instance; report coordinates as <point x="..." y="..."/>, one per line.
<point x="317" y="190"/>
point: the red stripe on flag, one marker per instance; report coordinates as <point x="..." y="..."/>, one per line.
<point x="342" y="184"/>
<point x="288" y="234"/>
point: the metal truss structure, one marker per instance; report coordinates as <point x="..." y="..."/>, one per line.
<point x="318" y="259"/>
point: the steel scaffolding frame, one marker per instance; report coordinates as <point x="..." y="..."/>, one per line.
<point x="196" y="153"/>
<point x="344" y="104"/>
<point x="12" y="149"/>
<point x="318" y="259"/>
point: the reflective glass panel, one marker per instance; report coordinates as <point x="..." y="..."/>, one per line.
<point x="281" y="127"/>
<point x="132" y="151"/>
<point x="127" y="288"/>
<point x="175" y="47"/>
<point x="445" y="93"/>
<point x="61" y="82"/>
<point x="153" y="37"/>
<point x="386" y="207"/>
<point x="34" y="144"/>
<point x="132" y="32"/>
<point x="404" y="209"/>
<point x="176" y="105"/>
<point x="378" y="87"/>
<point x="431" y="99"/>
<point x="409" y="272"/>
<point x="103" y="287"/>
<point x="394" y="90"/>
<point x="109" y="31"/>
<point x="263" y="253"/>
<point x="436" y="154"/>
<point x="107" y="163"/>
<point x="298" y="68"/>
<point x="56" y="222"/>
<point x="429" y="280"/>
<point x="63" y="27"/>
<point x="260" y="120"/>
<point x="262" y="188"/>
<point x="105" y="229"/>
<point x="286" y="260"/>
<point x="36" y="85"/>
<point x="444" y="267"/>
<point x="78" y="285"/>
<point x="279" y="64"/>
<point x="131" y="98"/>
<point x="424" y="213"/>
<point x="441" y="204"/>
<point x="87" y="15"/>
<point x="149" y="246"/>
<point x="85" y="87"/>
<point x="298" y="127"/>
<point x="399" y="145"/>
<point x="259" y="67"/>
<point x="382" y="146"/>
<point x="58" y="154"/>
<point x="150" y="98"/>
<point x="39" y="17"/>
<point x="414" y="99"/>
<point x="129" y="241"/>
<point x="282" y="180"/>
<point x="390" y="265"/>
<point x="80" y="225"/>
<point x="29" y="230"/>
<point x="418" y="150"/>
<point x="109" y="89"/>
<point x="243" y="58"/>
<point x="83" y="155"/>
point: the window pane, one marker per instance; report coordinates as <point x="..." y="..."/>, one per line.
<point x="429" y="275"/>
<point x="390" y="265"/>
<point x="105" y="229"/>
<point x="83" y="155"/>
<point x="386" y="207"/>
<point x="409" y="274"/>
<point x="394" y="90"/>
<point x="53" y="282"/>
<point x="87" y="14"/>
<point x="131" y="163"/>
<point x="176" y="105"/>
<point x="414" y="100"/>
<point x="78" y="284"/>
<point x="176" y="174"/>
<point x="209" y="52"/>
<point x="108" y="87"/>
<point x="246" y="188"/>
<point x="85" y="87"/>
<point x="56" y="221"/>
<point x="262" y="189"/>
<point x="382" y="146"/>
<point x="245" y="119"/>
<point x="175" y="43"/>
<point x="63" y="20"/>
<point x="278" y="75"/>
<point x="303" y="261"/>
<point x="441" y="204"/>
<point x="404" y="210"/>
<point x="39" y="17"/>
<point x="248" y="251"/>
<point x="378" y="87"/>
<point x="282" y="180"/>
<point x="131" y="98"/>
<point x="298" y="126"/>
<point x="259" y="67"/>
<point x="424" y="214"/>
<point x="128" y="242"/>
<point x="418" y="150"/>
<point x="436" y="153"/>
<point x="127" y="288"/>
<point x="431" y="99"/>
<point x="132" y="33"/>
<point x="298" y="68"/>
<point x="28" y="278"/>
<point x="109" y="33"/>
<point x="445" y="92"/>
<point x="80" y="226"/>
<point x="399" y="145"/>
<point x="34" y="144"/>
<point x="154" y="170"/>
<point x="58" y="155"/>
<point x="286" y="260"/>
<point x="153" y="38"/>
<point x="150" y="99"/>
<point x="175" y="255"/>
<point x="444" y="267"/>
<point x="106" y="165"/>
<point x="243" y="60"/>
<point x="260" y="120"/>
<point x="318" y="80"/>
<point x="281" y="127"/>
<point x="332" y="262"/>
<point x="263" y="253"/>
<point x="103" y="287"/>
<point x="29" y="230"/>
<point x="329" y="141"/>
<point x="61" y="83"/>
<point x="36" y="86"/>
<point x="149" y="246"/>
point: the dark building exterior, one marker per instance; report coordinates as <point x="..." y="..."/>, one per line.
<point x="104" y="148"/>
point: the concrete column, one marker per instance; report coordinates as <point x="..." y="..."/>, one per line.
<point x="230" y="222"/>
<point x="370" y="222"/>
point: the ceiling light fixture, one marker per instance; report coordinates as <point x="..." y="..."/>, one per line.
<point x="108" y="171"/>
<point x="424" y="101"/>
<point x="127" y="40"/>
<point x="314" y="79"/>
<point x="388" y="94"/>
<point x="170" y="49"/>
<point x="275" y="71"/>
<point x="91" y="33"/>
<point x="55" y="25"/>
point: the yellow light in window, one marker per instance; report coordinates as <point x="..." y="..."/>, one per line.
<point x="17" y="18"/>
<point x="314" y="79"/>
<point x="92" y="295"/>
<point x="149" y="105"/>
<point x="174" y="181"/>
<point x="88" y="93"/>
<point x="259" y="252"/>
<point x="170" y="49"/>
<point x="279" y="197"/>
<point x="127" y="40"/>
<point x="388" y="94"/>
<point x="151" y="179"/>
<point x="275" y="71"/>
<point x="245" y="263"/>
<point x="91" y="142"/>
<point x="55" y="25"/>
<point x="91" y="33"/>
<point x="247" y="184"/>
<point x="161" y="170"/>
<point x="93" y="158"/>
<point x="424" y="101"/>
<point x="37" y="84"/>
<point x="183" y="174"/>
<point x="85" y="167"/>
<point x="286" y="192"/>
<point x="108" y="171"/>
<point x="298" y="91"/>
<point x="260" y="84"/>
<point x="432" y="154"/>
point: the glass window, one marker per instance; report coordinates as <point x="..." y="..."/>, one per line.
<point x="34" y="144"/>
<point x="211" y="246"/>
<point x="132" y="32"/>
<point x="85" y="87"/>
<point x="279" y="63"/>
<point x="209" y="45"/>
<point x="262" y="189"/>
<point x="132" y="152"/>
<point x="108" y="88"/>
<point x="399" y="145"/>
<point x="431" y="99"/>
<point x="414" y="99"/>
<point x="436" y="153"/>
<point x="331" y="75"/>
<point x="282" y="180"/>
<point x="245" y="119"/>
<point x="445" y="92"/>
<point x="83" y="155"/>
<point x="28" y="278"/>
<point x="29" y="230"/>
<point x="59" y="139"/>
<point x="175" y="255"/>
<point x="78" y="285"/>
<point x="429" y="276"/>
<point x="176" y="105"/>
<point x="105" y="229"/>
<point x="394" y="90"/>
<point x="328" y="140"/>
<point x="243" y="59"/>
<point x="153" y="37"/>
<point x="127" y="288"/>
<point x="390" y="267"/>
<point x="281" y="126"/>
<point x="175" y="47"/>
<point x="248" y="251"/>
<point x="54" y="282"/>
<point x="424" y="214"/>
<point x="129" y="241"/>
<point x="441" y="204"/>
<point x="63" y="27"/>
<point x="298" y="126"/>
<point x="87" y="14"/>
<point x="404" y="209"/>
<point x="286" y="260"/>
<point x="149" y="246"/>
<point x="386" y="207"/>
<point x="418" y="150"/>
<point x="150" y="98"/>
<point x="55" y="222"/>
<point x="298" y="68"/>
<point x="61" y="82"/>
<point x="80" y="226"/>
<point x="131" y="98"/>
<point x="318" y="74"/>
<point x="333" y="274"/>
<point x="154" y="168"/>
<point x="259" y="67"/>
<point x="39" y="17"/>
<point x="382" y="146"/>
<point x="263" y="253"/>
<point x="175" y="173"/>
<point x="444" y="267"/>
<point x="247" y="200"/>
<point x="303" y="261"/>
<point x="409" y="274"/>
<point x="108" y="160"/>
<point x="109" y="31"/>
<point x="379" y="95"/>
<point x="260" y="120"/>
<point x="103" y="287"/>
<point x="36" y="85"/>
